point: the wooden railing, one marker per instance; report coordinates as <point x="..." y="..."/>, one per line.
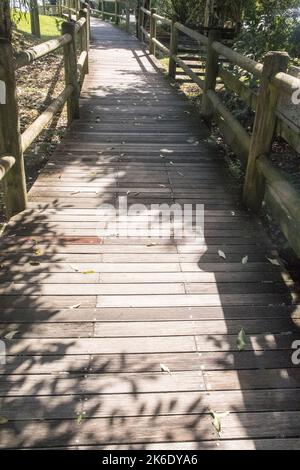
<point x="263" y="181"/>
<point x="64" y="8"/>
<point x="120" y="14"/>
<point x="13" y="144"/>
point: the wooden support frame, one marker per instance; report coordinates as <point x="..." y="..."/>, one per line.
<point x="173" y="49"/>
<point x="264" y="128"/>
<point x="84" y="37"/>
<point x="211" y="74"/>
<point x="14" y="182"/>
<point x="34" y="18"/>
<point x="71" y="75"/>
<point x="152" y="31"/>
<point x="15" y="193"/>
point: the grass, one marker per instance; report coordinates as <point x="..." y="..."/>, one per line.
<point x="50" y="25"/>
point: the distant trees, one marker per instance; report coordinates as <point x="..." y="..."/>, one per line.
<point x="262" y="24"/>
<point x="5" y="20"/>
<point x="35" y="18"/>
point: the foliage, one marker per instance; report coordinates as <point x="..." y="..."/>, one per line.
<point x="270" y="25"/>
<point x="263" y="25"/>
<point x="50" y="25"/>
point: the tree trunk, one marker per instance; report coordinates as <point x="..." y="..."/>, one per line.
<point x="5" y="20"/>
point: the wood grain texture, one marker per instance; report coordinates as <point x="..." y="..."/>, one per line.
<point x="90" y="322"/>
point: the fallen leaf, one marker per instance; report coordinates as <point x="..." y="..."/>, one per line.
<point x="38" y="252"/>
<point x="191" y="140"/>
<point x="75" y="306"/>
<point x="217" y="420"/>
<point x="34" y="263"/>
<point x="3" y="420"/>
<point x="245" y="260"/>
<point x="165" y="368"/>
<point x="74" y="268"/>
<point x="241" y="340"/>
<point x="221" y="254"/>
<point x="10" y="334"/>
<point x="80" y="418"/>
<point x="274" y="261"/>
<point x="89" y="272"/>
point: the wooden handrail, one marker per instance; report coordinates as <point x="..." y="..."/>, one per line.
<point x="253" y="67"/>
<point x="147" y="12"/>
<point x="12" y="166"/>
<point x="28" y="56"/>
<point x="191" y="33"/>
<point x="162" y="19"/>
<point x="34" y="130"/>
<point x="108" y="15"/>
<point x="264" y="103"/>
<point x="6" y="163"/>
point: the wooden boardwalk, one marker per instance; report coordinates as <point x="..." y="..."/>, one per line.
<point x="93" y="320"/>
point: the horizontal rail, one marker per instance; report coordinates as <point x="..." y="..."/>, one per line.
<point x="108" y="13"/>
<point x="26" y="57"/>
<point x="253" y="67"/>
<point x="191" y="33"/>
<point x="145" y="32"/>
<point x="283" y="200"/>
<point x="81" y="65"/>
<point x="160" y="46"/>
<point x="33" y="131"/>
<point x="234" y="132"/>
<point x="189" y="72"/>
<point x="79" y="24"/>
<point x="162" y="19"/>
<point x="243" y="91"/>
<point x="6" y="163"/>
<point x="69" y="9"/>
<point x="286" y="82"/>
<point x="147" y="12"/>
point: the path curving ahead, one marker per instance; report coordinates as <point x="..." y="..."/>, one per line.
<point x="121" y="343"/>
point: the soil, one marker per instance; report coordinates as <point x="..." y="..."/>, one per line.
<point x="37" y="86"/>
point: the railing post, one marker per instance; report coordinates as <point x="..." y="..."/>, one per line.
<point x="140" y="23"/>
<point x="84" y="38"/>
<point x="152" y="47"/>
<point x="173" y="48"/>
<point x="264" y="128"/>
<point x="127" y="19"/>
<point x="211" y="74"/>
<point x="10" y="135"/>
<point x="117" y="12"/>
<point x="35" y="18"/>
<point x="71" y="75"/>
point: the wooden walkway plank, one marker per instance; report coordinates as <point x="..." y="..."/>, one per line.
<point x="89" y="322"/>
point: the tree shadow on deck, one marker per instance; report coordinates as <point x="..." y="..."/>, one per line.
<point x="66" y="382"/>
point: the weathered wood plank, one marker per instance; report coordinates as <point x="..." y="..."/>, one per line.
<point x="94" y="318"/>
